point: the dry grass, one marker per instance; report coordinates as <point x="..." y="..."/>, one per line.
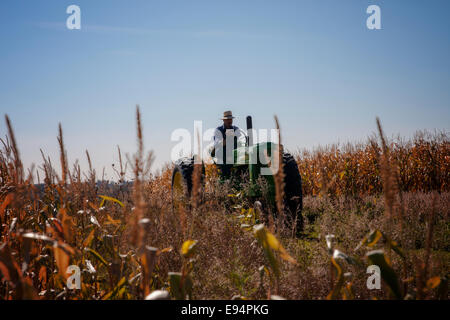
<point x="135" y="242"/>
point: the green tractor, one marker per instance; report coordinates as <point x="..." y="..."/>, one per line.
<point x="250" y="162"/>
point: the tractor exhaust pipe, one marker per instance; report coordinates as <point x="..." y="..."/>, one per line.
<point x="250" y="131"/>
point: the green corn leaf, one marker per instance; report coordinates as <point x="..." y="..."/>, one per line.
<point x="372" y="238"/>
<point x="260" y="233"/>
<point x="270" y="242"/>
<point x="188" y="248"/>
<point x="110" y="199"/>
<point x="117" y="291"/>
<point x="334" y="294"/>
<point x="394" y="246"/>
<point x="341" y="255"/>
<point x="175" y="285"/>
<point x="376" y="257"/>
<point x="179" y="287"/>
<point x="97" y="256"/>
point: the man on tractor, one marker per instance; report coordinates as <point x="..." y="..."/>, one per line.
<point x="226" y="138"/>
<point x="240" y="159"/>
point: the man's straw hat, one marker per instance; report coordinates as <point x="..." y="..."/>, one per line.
<point x="227" y="115"/>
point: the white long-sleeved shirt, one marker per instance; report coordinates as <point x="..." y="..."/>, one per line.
<point x="239" y="133"/>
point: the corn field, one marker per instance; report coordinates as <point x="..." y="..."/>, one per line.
<point x="383" y="203"/>
<point x="422" y="164"/>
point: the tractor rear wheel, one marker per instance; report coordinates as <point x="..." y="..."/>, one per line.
<point x="182" y="180"/>
<point x="293" y="197"/>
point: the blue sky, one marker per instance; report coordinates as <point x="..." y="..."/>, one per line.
<point x="313" y="63"/>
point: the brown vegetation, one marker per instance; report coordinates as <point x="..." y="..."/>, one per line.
<point x="392" y="196"/>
